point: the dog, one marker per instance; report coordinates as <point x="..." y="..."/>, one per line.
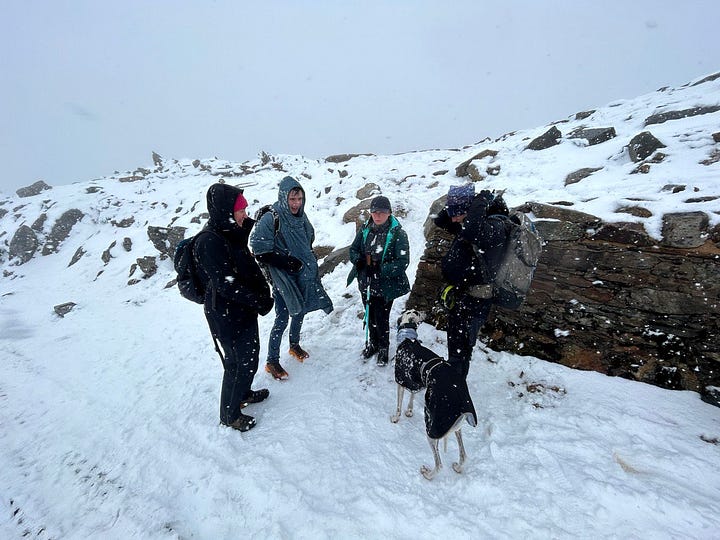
<point x="447" y="398"/>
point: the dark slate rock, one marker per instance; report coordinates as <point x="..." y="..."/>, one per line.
<point x="23" y="245"/>
<point x="685" y="229"/>
<point x="32" y="190"/>
<point x="580" y="174"/>
<point x="677" y="115"/>
<point x="643" y="145"/>
<point x="548" y="139"/>
<point x="594" y="135"/>
<point x="61" y="230"/>
<point x="64" y="309"/>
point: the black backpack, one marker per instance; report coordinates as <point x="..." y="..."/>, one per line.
<point x="188" y="281"/>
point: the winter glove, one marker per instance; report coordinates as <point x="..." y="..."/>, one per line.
<point x="498" y="206"/>
<point x="265" y="305"/>
<point x="278" y="260"/>
<point x="359" y="265"/>
<point x="478" y="208"/>
<point x="294" y="265"/>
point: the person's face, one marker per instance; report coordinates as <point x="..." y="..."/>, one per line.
<point x="458" y="219"/>
<point x="240" y="216"/>
<point x="379" y="217"/>
<point x="295" y="201"/>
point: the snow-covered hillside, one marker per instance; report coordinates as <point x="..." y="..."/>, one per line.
<point x="110" y="414"/>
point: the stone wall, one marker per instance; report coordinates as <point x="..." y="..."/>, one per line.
<point x="607" y="297"/>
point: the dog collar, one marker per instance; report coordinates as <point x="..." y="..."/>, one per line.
<point x="406" y="333"/>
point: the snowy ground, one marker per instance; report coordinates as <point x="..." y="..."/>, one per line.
<point x="109" y="416"/>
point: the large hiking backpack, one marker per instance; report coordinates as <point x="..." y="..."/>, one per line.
<point x="188" y="280"/>
<point x="514" y="276"/>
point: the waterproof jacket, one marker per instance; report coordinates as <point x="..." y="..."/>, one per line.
<point x="478" y="247"/>
<point x="394" y="260"/>
<point x="302" y="291"/>
<point x="235" y="289"/>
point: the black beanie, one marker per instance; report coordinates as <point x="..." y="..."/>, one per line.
<point x="380" y="204"/>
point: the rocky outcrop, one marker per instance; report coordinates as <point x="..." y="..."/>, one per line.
<point x="23" y="245"/>
<point x="594" y="136"/>
<point x="643" y="145"/>
<point x="547" y="140"/>
<point x="607" y="297"/>
<point x="61" y="229"/>
<point x="32" y="190"/>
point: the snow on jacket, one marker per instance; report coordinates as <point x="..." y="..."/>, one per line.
<point x="303" y="291"/>
<point x="393" y="263"/>
<point x="235" y="287"/>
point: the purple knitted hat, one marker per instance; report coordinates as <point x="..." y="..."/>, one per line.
<point x="459" y="199"/>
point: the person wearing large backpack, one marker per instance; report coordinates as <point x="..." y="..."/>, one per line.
<point x="481" y="228"/>
<point x="380" y="254"/>
<point x="282" y="240"/>
<point x="235" y="294"/>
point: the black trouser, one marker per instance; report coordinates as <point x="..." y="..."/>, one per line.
<point x="241" y="349"/>
<point x="378" y="321"/>
<point x="463" y="324"/>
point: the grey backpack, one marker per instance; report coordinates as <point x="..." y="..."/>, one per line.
<point x="514" y="276"/>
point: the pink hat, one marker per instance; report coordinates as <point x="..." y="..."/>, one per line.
<point x="240" y="203"/>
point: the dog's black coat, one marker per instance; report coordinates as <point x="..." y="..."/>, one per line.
<point x="409" y="357"/>
<point x="447" y="397"/>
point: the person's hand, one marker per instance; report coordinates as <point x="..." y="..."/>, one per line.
<point x="360" y="264"/>
<point x="265" y="305"/>
<point x="294" y="264"/>
<point x="478" y="208"/>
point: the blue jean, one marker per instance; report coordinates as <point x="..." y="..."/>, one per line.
<point x="281" y="321"/>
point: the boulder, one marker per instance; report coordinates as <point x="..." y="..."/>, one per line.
<point x="32" y="190"/>
<point x="643" y="145"/>
<point x="23" y="245"/>
<point x="61" y="230"/>
<point x="547" y="140"/>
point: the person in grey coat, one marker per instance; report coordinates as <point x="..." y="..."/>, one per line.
<point x="287" y="252"/>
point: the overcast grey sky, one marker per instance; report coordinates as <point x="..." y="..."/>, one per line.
<point x="90" y="87"/>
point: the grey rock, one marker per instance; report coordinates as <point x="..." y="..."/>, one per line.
<point x="23" y="245"/>
<point x="547" y="140"/>
<point x="685" y="229"/>
<point x="61" y="230"/>
<point x="643" y="145"/>
<point x="32" y="190"/>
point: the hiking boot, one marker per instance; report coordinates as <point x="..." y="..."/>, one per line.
<point x="243" y="423"/>
<point x="297" y="352"/>
<point x="368" y="351"/>
<point x="276" y="370"/>
<point x="255" y="396"/>
<point x="382" y="358"/>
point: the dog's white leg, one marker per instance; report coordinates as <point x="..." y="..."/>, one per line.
<point x="425" y="470"/>
<point x="458" y="466"/>
<point x="409" y="410"/>
<point x="400" y="391"/>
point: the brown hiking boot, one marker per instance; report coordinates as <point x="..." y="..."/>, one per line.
<point x="255" y="396"/>
<point x="243" y="423"/>
<point x="276" y="370"/>
<point x="297" y="352"/>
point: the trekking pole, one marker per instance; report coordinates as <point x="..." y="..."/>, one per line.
<point x="366" y="318"/>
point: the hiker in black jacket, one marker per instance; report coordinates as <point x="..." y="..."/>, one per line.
<point x="470" y="265"/>
<point x="236" y="293"/>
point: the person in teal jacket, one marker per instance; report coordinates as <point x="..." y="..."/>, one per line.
<point x="380" y="255"/>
